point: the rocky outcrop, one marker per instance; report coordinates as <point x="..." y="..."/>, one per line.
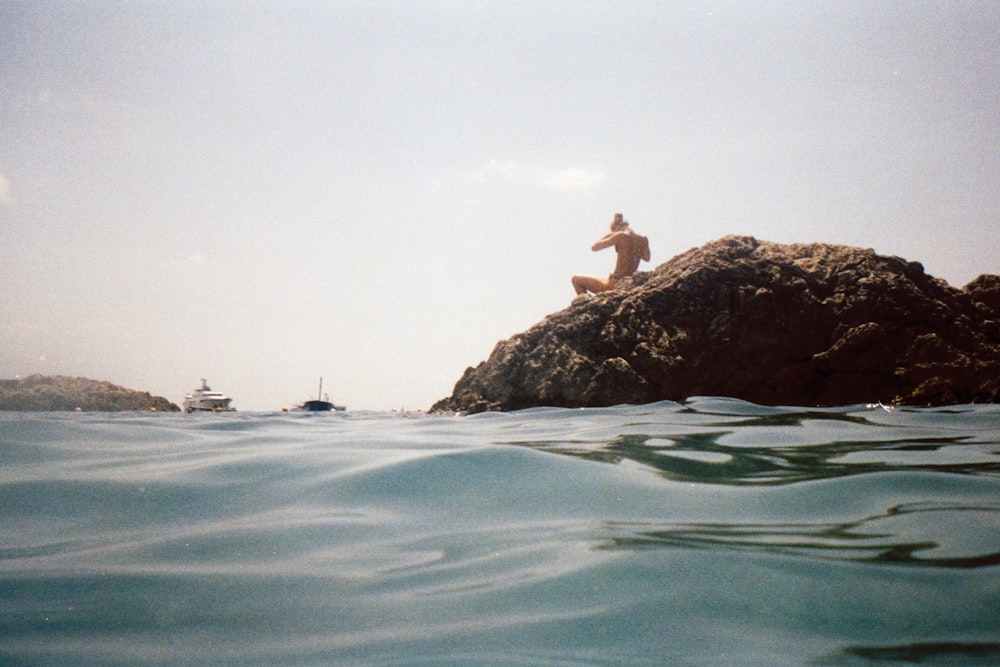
<point x="802" y="324"/>
<point x="36" y="393"/>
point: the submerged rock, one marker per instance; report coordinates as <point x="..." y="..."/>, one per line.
<point x="800" y="324"/>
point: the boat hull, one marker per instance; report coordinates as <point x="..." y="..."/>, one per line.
<point x="206" y="408"/>
<point x="321" y="406"/>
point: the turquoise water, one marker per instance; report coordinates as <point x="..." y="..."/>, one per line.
<point x="713" y="532"/>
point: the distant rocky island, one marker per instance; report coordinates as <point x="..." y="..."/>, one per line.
<point x="775" y="324"/>
<point x="39" y="393"/>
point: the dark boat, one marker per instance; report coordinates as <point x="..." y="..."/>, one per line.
<point x="319" y="405"/>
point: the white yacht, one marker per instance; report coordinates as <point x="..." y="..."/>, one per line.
<point x="206" y="400"/>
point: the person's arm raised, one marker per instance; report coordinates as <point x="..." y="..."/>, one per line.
<point x="607" y="241"/>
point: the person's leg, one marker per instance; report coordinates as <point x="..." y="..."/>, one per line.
<point x="583" y="284"/>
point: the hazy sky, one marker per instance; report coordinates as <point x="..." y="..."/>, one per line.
<point x="261" y="193"/>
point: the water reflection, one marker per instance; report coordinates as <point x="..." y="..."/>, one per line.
<point x="774" y="449"/>
<point x="881" y="539"/>
<point x="939" y="653"/>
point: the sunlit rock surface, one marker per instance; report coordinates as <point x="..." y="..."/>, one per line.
<point x="800" y="324"/>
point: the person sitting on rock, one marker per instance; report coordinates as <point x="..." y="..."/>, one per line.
<point x="631" y="249"/>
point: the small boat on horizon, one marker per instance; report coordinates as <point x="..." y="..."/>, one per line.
<point x="203" y="399"/>
<point x="321" y="404"/>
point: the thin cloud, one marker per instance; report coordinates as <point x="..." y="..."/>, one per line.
<point x="508" y="169"/>
<point x="5" y="198"/>
<point x="571" y="179"/>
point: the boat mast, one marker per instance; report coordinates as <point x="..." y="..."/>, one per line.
<point x="319" y="396"/>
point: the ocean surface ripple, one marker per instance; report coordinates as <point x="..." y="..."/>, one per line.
<point x="709" y="532"/>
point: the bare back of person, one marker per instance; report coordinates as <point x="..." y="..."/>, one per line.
<point x="631" y="249"/>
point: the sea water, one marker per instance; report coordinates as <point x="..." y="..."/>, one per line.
<point x="713" y="532"/>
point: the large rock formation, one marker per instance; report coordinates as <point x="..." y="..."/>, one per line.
<point x="59" y="392"/>
<point x="769" y="323"/>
